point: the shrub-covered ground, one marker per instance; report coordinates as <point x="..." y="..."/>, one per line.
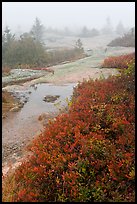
<point x="127" y="40"/>
<point x="121" y="62"/>
<point x="86" y="154"/>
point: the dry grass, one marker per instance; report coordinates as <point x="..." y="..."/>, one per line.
<point x="8" y="102"/>
<point x="6" y="70"/>
<point x="8" y="183"/>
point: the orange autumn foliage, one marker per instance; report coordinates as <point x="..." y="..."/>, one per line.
<point x="88" y="153"/>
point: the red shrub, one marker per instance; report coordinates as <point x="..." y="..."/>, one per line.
<point x="119" y="62"/>
<point x="87" y="154"/>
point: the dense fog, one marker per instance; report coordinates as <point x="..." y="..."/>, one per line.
<point x="72" y="16"/>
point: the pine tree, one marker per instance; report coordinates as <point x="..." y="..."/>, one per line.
<point x="37" y="31"/>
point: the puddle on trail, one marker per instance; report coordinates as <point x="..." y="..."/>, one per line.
<point x="35" y="94"/>
<point x="21" y="127"/>
<point x="35" y="104"/>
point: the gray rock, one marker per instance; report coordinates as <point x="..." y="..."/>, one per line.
<point x="50" y="98"/>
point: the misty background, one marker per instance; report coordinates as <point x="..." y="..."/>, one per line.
<point x="20" y="16"/>
<point x="47" y="33"/>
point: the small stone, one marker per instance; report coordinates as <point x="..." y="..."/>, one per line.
<point x="26" y="100"/>
<point x="20" y="105"/>
<point x="16" y="108"/>
<point x="50" y="98"/>
<point x="43" y="116"/>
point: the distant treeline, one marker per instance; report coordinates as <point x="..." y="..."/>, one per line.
<point x="27" y="51"/>
<point x="127" y="40"/>
<point x="30" y="49"/>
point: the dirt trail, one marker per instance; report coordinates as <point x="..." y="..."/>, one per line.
<point x="16" y="137"/>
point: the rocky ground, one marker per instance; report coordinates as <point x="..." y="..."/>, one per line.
<point x="16" y="147"/>
<point x="9" y="103"/>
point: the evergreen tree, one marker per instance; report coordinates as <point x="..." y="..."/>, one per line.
<point x="120" y="28"/>
<point x="7" y="40"/>
<point x="107" y="29"/>
<point x="37" y="31"/>
<point x="8" y="37"/>
<point x="79" y="46"/>
<point x="85" y="32"/>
